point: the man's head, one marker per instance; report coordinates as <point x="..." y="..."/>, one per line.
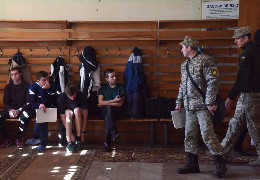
<point x="42" y="78"/>
<point x="189" y="46"/>
<point x="242" y="36"/>
<point x="16" y="75"/>
<point x="257" y="37"/>
<point x="110" y="76"/>
<point x="71" y="90"/>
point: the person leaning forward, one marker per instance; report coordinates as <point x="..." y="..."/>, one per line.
<point x="204" y="72"/>
<point x="73" y="104"/>
<point x="247" y="84"/>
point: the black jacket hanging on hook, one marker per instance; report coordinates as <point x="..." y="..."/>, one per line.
<point x="59" y="77"/>
<point x="19" y="61"/>
<point x="89" y="65"/>
<point x="136" y="86"/>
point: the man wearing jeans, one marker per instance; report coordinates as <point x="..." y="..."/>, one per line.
<point x="110" y="100"/>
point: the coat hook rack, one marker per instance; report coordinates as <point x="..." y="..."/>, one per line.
<point x="48" y="52"/>
<point x="30" y="51"/>
<point x="77" y="51"/>
<point x="60" y="51"/>
<point x="106" y="51"/>
<point x="119" y="51"/>
<point x="167" y="51"/>
<point x="211" y="51"/>
<point x="229" y="51"/>
<point x="18" y="49"/>
<point x="1" y="52"/>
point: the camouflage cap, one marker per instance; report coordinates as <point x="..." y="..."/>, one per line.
<point x="238" y="33"/>
<point x="189" y="41"/>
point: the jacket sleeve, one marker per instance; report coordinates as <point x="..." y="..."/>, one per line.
<point x="27" y="103"/>
<point x="211" y="75"/>
<point x="33" y="97"/>
<point x="242" y="77"/>
<point x="6" y="98"/>
<point x="179" y="100"/>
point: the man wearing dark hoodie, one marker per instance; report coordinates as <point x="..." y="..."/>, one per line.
<point x="247" y="84"/>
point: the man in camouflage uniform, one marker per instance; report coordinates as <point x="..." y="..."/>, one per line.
<point x="204" y="72"/>
<point x="248" y="84"/>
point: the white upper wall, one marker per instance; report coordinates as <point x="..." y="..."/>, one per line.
<point x="100" y="10"/>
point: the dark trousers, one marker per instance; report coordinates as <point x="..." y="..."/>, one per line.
<point x="41" y="129"/>
<point x="24" y="116"/>
<point x="239" y="143"/>
<point x="110" y="114"/>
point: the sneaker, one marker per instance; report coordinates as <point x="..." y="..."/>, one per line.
<point x="255" y="163"/>
<point x="107" y="148"/>
<point x="116" y="136"/>
<point x="6" y="143"/>
<point x="33" y="141"/>
<point x="77" y="145"/>
<point x="41" y="148"/>
<point x="19" y="142"/>
<point x="70" y="148"/>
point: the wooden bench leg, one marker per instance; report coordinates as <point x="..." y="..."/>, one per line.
<point x="152" y="134"/>
<point x="165" y="134"/>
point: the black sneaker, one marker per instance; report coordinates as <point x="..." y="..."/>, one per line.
<point x="107" y="148"/>
<point x="77" y="145"/>
<point x="116" y="136"/>
<point x="70" y="148"/>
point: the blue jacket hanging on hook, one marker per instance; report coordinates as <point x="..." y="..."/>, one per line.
<point x="19" y="61"/>
<point x="136" y="86"/>
<point x="59" y="76"/>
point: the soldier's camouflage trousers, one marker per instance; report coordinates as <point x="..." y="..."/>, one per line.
<point x="200" y="119"/>
<point x="247" y="112"/>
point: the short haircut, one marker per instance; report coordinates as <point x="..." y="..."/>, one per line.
<point x="193" y="47"/>
<point x="41" y="74"/>
<point x="71" y="88"/>
<point x="248" y="35"/>
<point x="108" y="71"/>
<point x="16" y="69"/>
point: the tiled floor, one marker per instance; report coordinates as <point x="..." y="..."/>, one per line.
<point x="163" y="171"/>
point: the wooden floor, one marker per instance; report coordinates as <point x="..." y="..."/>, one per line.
<point x="92" y="164"/>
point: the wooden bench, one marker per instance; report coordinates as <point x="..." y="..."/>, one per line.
<point x="62" y="134"/>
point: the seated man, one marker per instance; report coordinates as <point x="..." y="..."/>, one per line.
<point x="73" y="104"/>
<point x="110" y="100"/>
<point x="16" y="104"/>
<point x="40" y="98"/>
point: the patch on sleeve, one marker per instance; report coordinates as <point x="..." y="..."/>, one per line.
<point x="243" y="57"/>
<point x="214" y="71"/>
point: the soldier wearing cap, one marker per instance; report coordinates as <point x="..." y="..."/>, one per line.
<point x="204" y="72"/>
<point x="247" y="84"/>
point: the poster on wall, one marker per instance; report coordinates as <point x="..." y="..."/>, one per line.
<point x="221" y="9"/>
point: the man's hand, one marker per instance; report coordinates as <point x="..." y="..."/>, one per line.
<point x="228" y="104"/>
<point x="46" y="86"/>
<point x="178" y="107"/>
<point x="118" y="99"/>
<point x="212" y="109"/>
<point x="13" y="113"/>
<point x="99" y="105"/>
<point x="42" y="106"/>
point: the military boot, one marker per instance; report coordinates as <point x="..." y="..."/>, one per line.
<point x="220" y="166"/>
<point x="191" y="166"/>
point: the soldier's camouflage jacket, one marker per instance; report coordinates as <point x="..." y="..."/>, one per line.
<point x="204" y="72"/>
